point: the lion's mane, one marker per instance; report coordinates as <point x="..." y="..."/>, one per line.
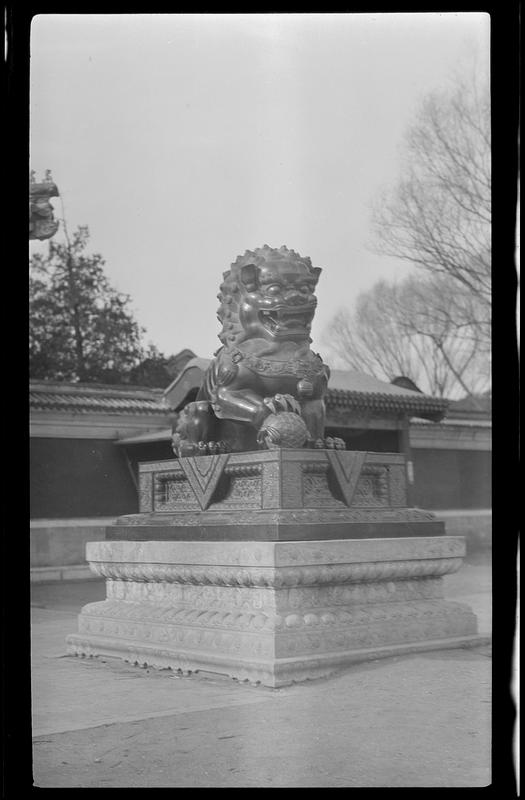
<point x="232" y="332"/>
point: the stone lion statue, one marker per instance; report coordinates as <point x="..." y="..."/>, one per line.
<point x="265" y="386"/>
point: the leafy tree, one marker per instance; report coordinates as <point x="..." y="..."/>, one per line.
<point x="414" y="328"/>
<point x="81" y="328"/>
<point x="154" y="370"/>
<point x="438" y="215"/>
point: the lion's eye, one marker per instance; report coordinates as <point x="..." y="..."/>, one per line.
<point x="304" y="289"/>
<point x="274" y="288"/>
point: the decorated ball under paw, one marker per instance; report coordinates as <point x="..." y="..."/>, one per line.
<point x="285" y="429"/>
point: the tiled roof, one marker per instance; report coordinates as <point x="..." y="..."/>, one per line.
<point x="452" y="422"/>
<point x="347" y="390"/>
<point x="87" y="398"/>
<point x="356" y="384"/>
<point x="351" y="381"/>
<point x="387" y="403"/>
<point x="473" y="406"/>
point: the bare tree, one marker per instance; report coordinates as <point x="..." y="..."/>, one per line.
<point x="369" y="339"/>
<point x="438" y="216"/>
<point x="448" y="317"/>
<point x="414" y="328"/>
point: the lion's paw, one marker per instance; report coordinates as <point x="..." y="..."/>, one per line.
<point x="282" y="402"/>
<point x="330" y="443"/>
<point x="183" y="448"/>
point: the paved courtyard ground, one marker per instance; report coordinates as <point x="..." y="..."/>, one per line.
<point x="419" y="720"/>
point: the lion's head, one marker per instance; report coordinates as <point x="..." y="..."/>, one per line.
<point x="268" y="294"/>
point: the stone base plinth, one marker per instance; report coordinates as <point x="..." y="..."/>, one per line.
<point x="272" y="612"/>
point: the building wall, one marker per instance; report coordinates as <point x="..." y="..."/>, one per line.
<point x="79" y="478"/>
<point x="452" y="479"/>
<point x="474" y="524"/>
<point x="150" y="451"/>
<point x="374" y="441"/>
<point x="58" y="547"/>
<point x="90" y="477"/>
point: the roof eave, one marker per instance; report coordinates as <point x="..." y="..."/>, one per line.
<point x="433" y="409"/>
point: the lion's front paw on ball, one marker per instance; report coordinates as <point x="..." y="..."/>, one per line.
<point x="282" y="403"/>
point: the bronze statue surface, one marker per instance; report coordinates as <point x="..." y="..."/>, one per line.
<point x="265" y="386"/>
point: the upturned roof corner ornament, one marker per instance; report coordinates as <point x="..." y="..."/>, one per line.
<point x="265" y="387"/>
<point x="42" y="224"/>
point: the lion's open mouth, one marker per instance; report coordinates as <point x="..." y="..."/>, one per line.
<point x="283" y="320"/>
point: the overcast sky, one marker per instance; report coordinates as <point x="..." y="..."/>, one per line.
<point x="182" y="140"/>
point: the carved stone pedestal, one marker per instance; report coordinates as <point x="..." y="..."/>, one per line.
<point x="272" y="612"/>
<point x="275" y="495"/>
